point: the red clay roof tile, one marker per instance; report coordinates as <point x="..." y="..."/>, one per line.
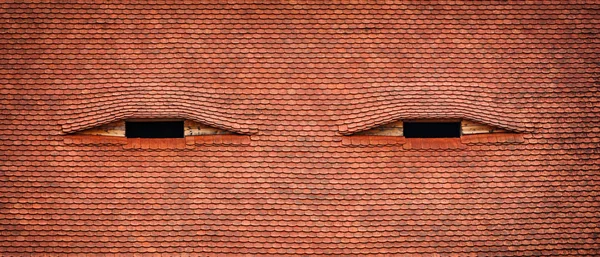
<point x="296" y="80"/>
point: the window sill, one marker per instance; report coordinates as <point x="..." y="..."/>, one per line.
<point x="155" y="143"/>
<point x="373" y="140"/>
<point x="494" y="138"/>
<point x="94" y="140"/>
<point x="188" y="142"/>
<point x="433" y="143"/>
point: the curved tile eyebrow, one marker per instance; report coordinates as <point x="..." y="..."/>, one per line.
<point x="390" y="102"/>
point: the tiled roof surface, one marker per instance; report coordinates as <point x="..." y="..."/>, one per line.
<point x="295" y="80"/>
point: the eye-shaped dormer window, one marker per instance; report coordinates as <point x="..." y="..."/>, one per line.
<point x="436" y="128"/>
<point x="154" y="129"/>
<point x="153" y="133"/>
<point x="432" y="129"/>
<point x="434" y="134"/>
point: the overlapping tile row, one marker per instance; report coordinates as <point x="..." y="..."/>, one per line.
<point x="296" y="81"/>
<point x="408" y="202"/>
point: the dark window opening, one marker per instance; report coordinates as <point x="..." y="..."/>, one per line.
<point x="154" y="129"/>
<point x="431" y="129"/>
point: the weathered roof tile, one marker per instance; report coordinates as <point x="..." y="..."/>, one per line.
<point x="296" y="80"/>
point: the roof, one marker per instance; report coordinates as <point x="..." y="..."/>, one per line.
<point x="296" y="81"/>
